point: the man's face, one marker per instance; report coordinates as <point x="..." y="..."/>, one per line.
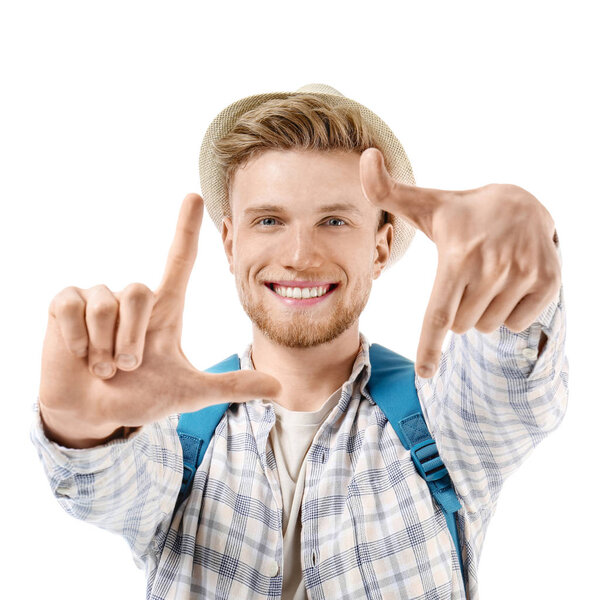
<point x="284" y="229"/>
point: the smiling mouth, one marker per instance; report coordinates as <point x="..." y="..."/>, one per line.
<point x="302" y="293"/>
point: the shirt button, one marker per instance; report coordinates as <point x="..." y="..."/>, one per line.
<point x="530" y="353"/>
<point x="273" y="569"/>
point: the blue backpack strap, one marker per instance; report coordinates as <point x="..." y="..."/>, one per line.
<point x="195" y="430"/>
<point x="392" y="386"/>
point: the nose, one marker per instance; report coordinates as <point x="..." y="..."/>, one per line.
<point x="301" y="250"/>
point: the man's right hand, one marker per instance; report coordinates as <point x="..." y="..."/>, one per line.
<point x="92" y="327"/>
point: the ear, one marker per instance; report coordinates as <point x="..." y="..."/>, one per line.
<point x="227" y="237"/>
<point x="383" y="247"/>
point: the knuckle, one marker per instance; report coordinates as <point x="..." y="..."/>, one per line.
<point x="66" y="302"/>
<point x="102" y="308"/>
<point x="440" y="318"/>
<point x="515" y="325"/>
<point x="100" y="288"/>
<point x="99" y="353"/>
<point x="495" y="269"/>
<point x="460" y="329"/>
<point x="234" y="386"/>
<point x="68" y="291"/>
<point x="78" y="345"/>
<point x="486" y="326"/>
<point x="180" y="260"/>
<point x="523" y="269"/>
<point x="137" y="292"/>
<point x="65" y="307"/>
<point x="429" y="355"/>
<point x="99" y="291"/>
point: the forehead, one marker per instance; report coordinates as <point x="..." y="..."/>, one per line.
<point x="299" y="180"/>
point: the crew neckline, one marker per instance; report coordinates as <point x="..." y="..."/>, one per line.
<point x="308" y="417"/>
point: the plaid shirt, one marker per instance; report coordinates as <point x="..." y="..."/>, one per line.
<point x="370" y="527"/>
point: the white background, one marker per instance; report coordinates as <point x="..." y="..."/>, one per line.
<point x="104" y="105"/>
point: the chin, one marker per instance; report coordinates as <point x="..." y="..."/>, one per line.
<point x="300" y="328"/>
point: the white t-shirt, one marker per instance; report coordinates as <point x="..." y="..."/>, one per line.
<point x="291" y="437"/>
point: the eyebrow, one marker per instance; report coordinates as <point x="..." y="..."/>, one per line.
<point x="335" y="207"/>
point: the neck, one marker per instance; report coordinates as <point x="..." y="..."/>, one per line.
<point x="308" y="376"/>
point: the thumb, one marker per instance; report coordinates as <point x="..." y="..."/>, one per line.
<point x="251" y="384"/>
<point x="411" y="203"/>
<point x="237" y="386"/>
<point x="377" y="184"/>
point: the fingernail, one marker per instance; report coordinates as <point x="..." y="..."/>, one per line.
<point x="103" y="369"/>
<point x="426" y="370"/>
<point x="126" y="360"/>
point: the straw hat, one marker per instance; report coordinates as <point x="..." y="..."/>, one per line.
<point x="212" y="182"/>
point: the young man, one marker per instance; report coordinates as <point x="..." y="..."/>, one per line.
<point x="305" y="490"/>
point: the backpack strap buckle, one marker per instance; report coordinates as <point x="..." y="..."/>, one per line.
<point x="427" y="459"/>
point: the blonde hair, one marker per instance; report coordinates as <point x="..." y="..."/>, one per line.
<point x="299" y="122"/>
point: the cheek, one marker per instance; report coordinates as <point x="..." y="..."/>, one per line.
<point x="249" y="259"/>
<point x="362" y="270"/>
<point x="362" y="254"/>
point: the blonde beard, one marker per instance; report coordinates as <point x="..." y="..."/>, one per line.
<point x="300" y="330"/>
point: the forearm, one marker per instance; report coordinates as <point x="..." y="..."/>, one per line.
<point x="496" y="396"/>
<point x="103" y="484"/>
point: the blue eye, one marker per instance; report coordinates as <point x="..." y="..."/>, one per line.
<point x="266" y="219"/>
<point x="261" y="221"/>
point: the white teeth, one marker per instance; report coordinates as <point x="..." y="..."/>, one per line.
<point x="296" y="292"/>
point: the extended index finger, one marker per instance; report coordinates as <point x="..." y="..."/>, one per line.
<point x="184" y="247"/>
<point x="441" y="311"/>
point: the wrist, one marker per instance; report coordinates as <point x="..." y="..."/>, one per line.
<point x="72" y="434"/>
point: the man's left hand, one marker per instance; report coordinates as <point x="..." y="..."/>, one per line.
<point x="497" y="262"/>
